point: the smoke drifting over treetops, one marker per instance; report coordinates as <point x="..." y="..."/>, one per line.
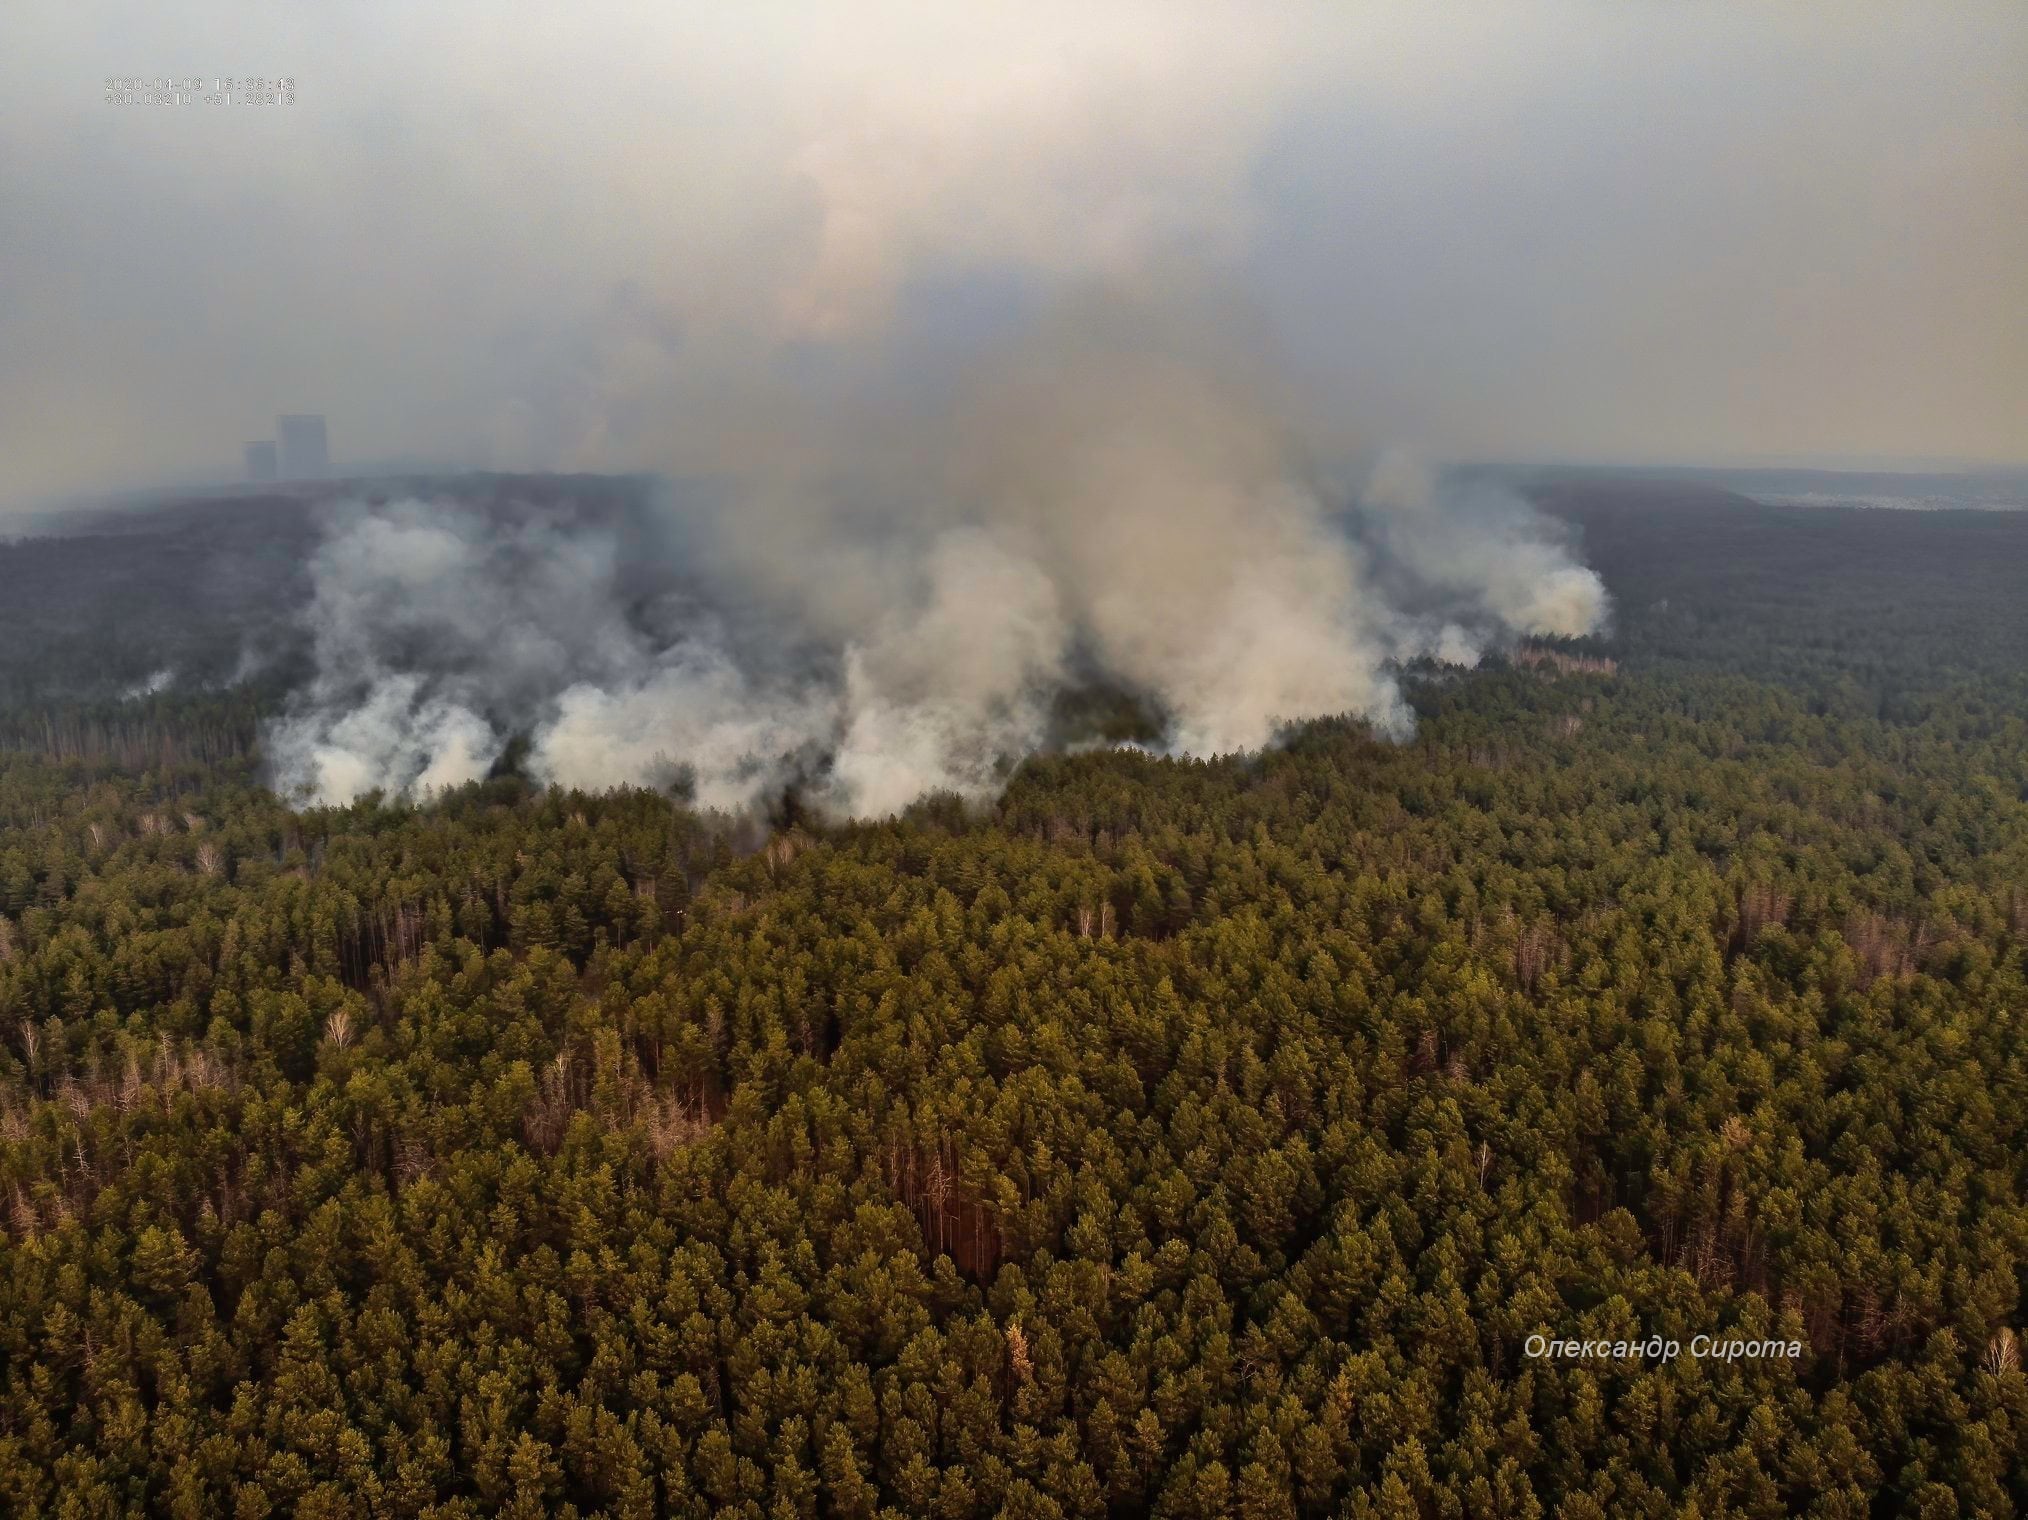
<point x="904" y="622"/>
<point x="956" y="330"/>
<point x="939" y="331"/>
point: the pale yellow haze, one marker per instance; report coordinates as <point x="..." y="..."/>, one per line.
<point x="604" y="235"/>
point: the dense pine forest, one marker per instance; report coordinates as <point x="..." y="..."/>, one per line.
<point x="1170" y="1137"/>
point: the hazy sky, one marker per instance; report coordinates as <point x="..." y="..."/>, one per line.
<point x="589" y="234"/>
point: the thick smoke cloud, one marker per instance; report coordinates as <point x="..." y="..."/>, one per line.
<point x="1160" y="543"/>
<point x="1005" y="345"/>
<point x="951" y="365"/>
<point x="1471" y="539"/>
<point x="437" y="631"/>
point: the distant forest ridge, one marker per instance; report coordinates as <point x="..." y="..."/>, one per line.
<point x="2000" y="490"/>
<point x="206" y="593"/>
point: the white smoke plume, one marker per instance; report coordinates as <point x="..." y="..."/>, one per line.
<point x="909" y="521"/>
<point x="1477" y="540"/>
<point x="1164" y="547"/>
<point x="156" y="681"/>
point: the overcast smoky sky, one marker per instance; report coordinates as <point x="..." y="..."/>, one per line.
<point x="592" y="235"/>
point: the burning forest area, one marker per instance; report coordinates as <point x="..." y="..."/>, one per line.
<point x="1042" y="760"/>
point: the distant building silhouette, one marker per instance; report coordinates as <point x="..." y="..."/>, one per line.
<point x="305" y="453"/>
<point x="260" y="461"/>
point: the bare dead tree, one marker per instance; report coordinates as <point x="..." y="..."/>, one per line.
<point x="2003" y="1353"/>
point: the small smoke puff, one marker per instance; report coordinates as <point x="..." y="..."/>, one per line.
<point x="460" y="745"/>
<point x="892" y="753"/>
<point x="1479" y="547"/>
<point x="1286" y="642"/>
<point x="694" y="716"/>
<point x="395" y="738"/>
<point x="1454" y="646"/>
<point x="988" y="628"/>
<point x="947" y="693"/>
<point x="1562" y="601"/>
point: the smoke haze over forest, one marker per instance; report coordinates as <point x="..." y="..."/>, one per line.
<point x="629" y="237"/>
<point x="1182" y="566"/>
<point x="1023" y="758"/>
<point x="986" y="353"/>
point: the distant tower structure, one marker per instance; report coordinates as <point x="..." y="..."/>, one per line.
<point x="260" y="461"/>
<point x="305" y="454"/>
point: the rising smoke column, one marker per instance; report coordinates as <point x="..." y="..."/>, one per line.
<point x="1149" y="529"/>
<point x="1164" y="489"/>
<point x="440" y="629"/>
<point x="1477" y="544"/>
<point x="917" y="539"/>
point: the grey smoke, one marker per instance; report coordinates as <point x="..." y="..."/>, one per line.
<point x="949" y="357"/>
<point x="1472" y="540"/>
<point x="1152" y="530"/>
<point x="157" y="681"/>
<point x="1719" y="232"/>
